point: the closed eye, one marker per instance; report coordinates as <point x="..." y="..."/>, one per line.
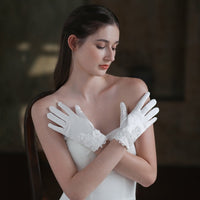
<point x="100" y="47"/>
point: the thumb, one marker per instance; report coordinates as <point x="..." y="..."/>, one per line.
<point x="123" y="113"/>
<point x="79" y="112"/>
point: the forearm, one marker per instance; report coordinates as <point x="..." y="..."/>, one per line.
<point x="137" y="169"/>
<point x="86" y="180"/>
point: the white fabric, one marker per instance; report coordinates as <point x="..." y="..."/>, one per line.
<point x="83" y="139"/>
<point x="140" y="118"/>
<point x="114" y="186"/>
<point x="75" y="126"/>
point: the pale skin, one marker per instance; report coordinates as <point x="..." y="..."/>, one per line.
<point x="99" y="95"/>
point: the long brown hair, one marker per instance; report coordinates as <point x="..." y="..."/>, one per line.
<point x="82" y="22"/>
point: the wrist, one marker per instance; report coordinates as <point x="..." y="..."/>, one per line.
<point x="125" y="138"/>
<point x="117" y="144"/>
<point x="102" y="148"/>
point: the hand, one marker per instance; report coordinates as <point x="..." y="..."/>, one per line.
<point x="75" y="126"/>
<point x="134" y="124"/>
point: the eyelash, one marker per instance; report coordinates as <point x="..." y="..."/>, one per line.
<point x="99" y="47"/>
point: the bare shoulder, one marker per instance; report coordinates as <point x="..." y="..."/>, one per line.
<point x="131" y="89"/>
<point x="47" y="137"/>
<point x="135" y="84"/>
<point x="40" y="107"/>
<point x="127" y="83"/>
<point x="39" y="112"/>
<point x="53" y="143"/>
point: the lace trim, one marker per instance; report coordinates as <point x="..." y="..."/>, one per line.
<point x="126" y="138"/>
<point x="93" y="140"/>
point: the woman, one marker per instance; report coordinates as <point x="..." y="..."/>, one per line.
<point x="94" y="147"/>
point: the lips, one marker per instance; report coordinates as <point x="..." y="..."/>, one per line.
<point x="104" y="66"/>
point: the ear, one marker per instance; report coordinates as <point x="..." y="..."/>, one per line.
<point x="72" y="42"/>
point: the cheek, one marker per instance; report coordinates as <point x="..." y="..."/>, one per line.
<point x="96" y="54"/>
<point x="91" y="55"/>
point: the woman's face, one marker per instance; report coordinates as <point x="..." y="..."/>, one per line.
<point x="98" y="51"/>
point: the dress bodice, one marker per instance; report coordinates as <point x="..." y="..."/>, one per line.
<point x="113" y="187"/>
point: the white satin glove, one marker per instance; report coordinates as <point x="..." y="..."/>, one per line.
<point x="133" y="125"/>
<point x="76" y="126"/>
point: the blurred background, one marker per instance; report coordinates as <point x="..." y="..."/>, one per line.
<point x="159" y="42"/>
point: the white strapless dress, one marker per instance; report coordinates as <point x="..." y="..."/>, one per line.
<point x="113" y="187"/>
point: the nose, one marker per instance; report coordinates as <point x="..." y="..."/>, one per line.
<point x="110" y="55"/>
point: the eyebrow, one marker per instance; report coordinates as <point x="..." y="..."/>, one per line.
<point x="106" y="41"/>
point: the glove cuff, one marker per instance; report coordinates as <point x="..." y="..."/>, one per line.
<point x="93" y="140"/>
<point x="125" y="137"/>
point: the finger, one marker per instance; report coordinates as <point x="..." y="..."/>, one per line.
<point x="123" y="112"/>
<point x="152" y="121"/>
<point x="152" y="113"/>
<point x="79" y="112"/>
<point x="66" y="109"/>
<point x="58" y="113"/>
<point x="55" y="119"/>
<point x="56" y="128"/>
<point x="141" y="102"/>
<point x="148" y="106"/>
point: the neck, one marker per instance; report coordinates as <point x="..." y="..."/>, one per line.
<point x="86" y="85"/>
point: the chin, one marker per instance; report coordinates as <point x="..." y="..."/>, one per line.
<point x="99" y="73"/>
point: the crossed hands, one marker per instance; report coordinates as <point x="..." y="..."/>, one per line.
<point x="76" y="125"/>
